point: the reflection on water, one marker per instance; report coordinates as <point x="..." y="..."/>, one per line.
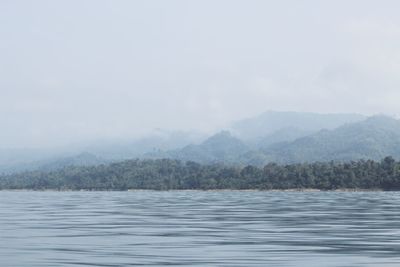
<point x="199" y="228"/>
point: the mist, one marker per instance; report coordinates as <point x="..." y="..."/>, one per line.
<point x="78" y="71"/>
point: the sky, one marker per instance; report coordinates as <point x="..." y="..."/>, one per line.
<point x="79" y="70"/>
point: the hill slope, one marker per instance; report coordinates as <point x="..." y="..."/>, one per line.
<point x="303" y="122"/>
<point x="374" y="138"/>
<point x="221" y="147"/>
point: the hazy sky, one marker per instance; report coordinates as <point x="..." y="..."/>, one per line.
<point x="75" y="70"/>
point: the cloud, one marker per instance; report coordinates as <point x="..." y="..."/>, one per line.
<point x="73" y="71"/>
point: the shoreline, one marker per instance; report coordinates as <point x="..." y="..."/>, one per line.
<point x="306" y="190"/>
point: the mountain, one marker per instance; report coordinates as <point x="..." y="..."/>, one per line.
<point x="287" y="137"/>
<point x="82" y="159"/>
<point x="373" y="138"/>
<point x="221" y="147"/>
<point x="18" y="160"/>
<point x="54" y="163"/>
<point x="155" y="142"/>
<point x="288" y="134"/>
<point x="301" y="123"/>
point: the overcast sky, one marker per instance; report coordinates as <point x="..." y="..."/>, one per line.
<point x="76" y="70"/>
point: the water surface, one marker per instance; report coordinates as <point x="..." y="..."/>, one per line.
<point x="195" y="228"/>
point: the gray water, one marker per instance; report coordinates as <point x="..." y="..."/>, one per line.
<point x="226" y="228"/>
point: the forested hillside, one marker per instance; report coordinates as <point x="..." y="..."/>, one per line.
<point x="280" y="137"/>
<point x="172" y="174"/>
<point x="374" y="138"/>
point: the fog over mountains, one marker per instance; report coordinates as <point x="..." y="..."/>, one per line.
<point x="373" y="138"/>
<point x="281" y="137"/>
<point x="290" y="124"/>
<point x="298" y="137"/>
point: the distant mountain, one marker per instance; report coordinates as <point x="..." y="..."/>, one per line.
<point x="14" y="157"/>
<point x="272" y="123"/>
<point x="221" y="147"/>
<point x="288" y="134"/>
<point x="82" y="159"/>
<point x="18" y="160"/>
<point x="373" y="138"/>
<point x="283" y="137"/>
<point x="155" y="142"/>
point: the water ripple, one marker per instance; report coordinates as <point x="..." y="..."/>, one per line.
<point x="195" y="228"/>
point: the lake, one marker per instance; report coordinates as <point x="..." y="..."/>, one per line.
<point x="196" y="228"/>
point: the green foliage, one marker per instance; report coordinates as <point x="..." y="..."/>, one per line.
<point x="167" y="174"/>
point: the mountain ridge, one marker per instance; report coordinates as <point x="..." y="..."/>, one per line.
<point x="373" y="138"/>
<point x="370" y="138"/>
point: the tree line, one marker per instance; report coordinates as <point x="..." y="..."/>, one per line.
<point x="168" y="174"/>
